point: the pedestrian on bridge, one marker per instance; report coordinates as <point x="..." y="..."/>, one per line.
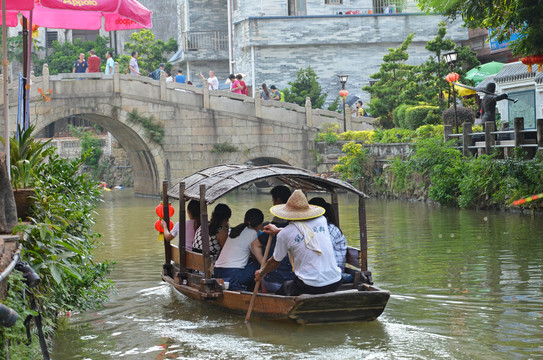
<point x="212" y="81"/>
<point x="110" y="64"/>
<point x="94" y="62"/>
<point x="134" y="68"/>
<point x="80" y="66"/>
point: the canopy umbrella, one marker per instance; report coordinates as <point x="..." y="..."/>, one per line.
<point x="478" y="74"/>
<point x="462" y="91"/>
<point x="56" y="14"/>
<point x="351" y="99"/>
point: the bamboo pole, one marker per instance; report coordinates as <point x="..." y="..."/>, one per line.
<point x="335" y="206"/>
<point x="205" y="232"/>
<point x="5" y="64"/>
<point x="257" y="285"/>
<point x="166" y="217"/>
<point x="182" y="224"/>
<point x="362" y="228"/>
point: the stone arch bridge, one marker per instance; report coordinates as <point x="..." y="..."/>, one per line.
<point x="202" y="127"/>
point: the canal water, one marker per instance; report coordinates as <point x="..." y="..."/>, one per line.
<point x="464" y="285"/>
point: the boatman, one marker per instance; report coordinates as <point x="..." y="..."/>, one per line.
<point x="307" y="241"/>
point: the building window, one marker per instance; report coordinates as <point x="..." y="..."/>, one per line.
<point x="84" y="35"/>
<point x="333" y="2"/>
<point x="50" y="36"/>
<point x="524" y="108"/>
<point x="296" y="7"/>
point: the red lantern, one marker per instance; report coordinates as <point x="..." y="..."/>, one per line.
<point x="452" y="77"/>
<point x="160" y="210"/>
<point x="343" y="93"/>
<point x="538" y="59"/>
<point x="158" y="226"/>
<point x="528" y="60"/>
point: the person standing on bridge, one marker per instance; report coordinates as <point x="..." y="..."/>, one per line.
<point x="134" y="68"/>
<point x="212" y="81"/>
<point x="180" y="78"/>
<point x="110" y="64"/>
<point x="94" y="62"/>
<point x="80" y="65"/>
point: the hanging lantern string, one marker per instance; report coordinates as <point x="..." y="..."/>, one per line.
<point x="159" y="210"/>
<point x="528" y="199"/>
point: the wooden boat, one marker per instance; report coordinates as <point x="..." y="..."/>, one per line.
<point x="189" y="272"/>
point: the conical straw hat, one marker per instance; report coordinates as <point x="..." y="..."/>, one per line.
<point x="297" y="208"/>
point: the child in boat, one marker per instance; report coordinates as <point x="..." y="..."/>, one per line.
<point x="233" y="264"/>
<point x="191" y="225"/>
<point x="218" y="231"/>
<point x="339" y="243"/>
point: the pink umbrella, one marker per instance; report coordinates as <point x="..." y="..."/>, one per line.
<point x="60" y="14"/>
<point x="70" y="14"/>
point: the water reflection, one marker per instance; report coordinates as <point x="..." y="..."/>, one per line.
<point x="464" y="284"/>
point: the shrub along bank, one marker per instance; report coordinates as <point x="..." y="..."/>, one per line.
<point x="58" y="244"/>
<point x="435" y="170"/>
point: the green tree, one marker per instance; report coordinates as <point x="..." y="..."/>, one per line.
<point x="524" y="17"/>
<point x="433" y="71"/>
<point x="151" y="52"/>
<point x="306" y="85"/>
<point x="63" y="56"/>
<point x="396" y="84"/>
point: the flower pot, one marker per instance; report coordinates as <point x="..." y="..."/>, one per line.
<point x="23" y="202"/>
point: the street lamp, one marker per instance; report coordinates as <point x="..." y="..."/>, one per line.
<point x="343" y="93"/>
<point x="451" y="58"/>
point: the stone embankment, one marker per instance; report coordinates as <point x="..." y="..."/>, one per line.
<point x="327" y="154"/>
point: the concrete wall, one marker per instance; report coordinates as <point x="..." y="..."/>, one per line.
<point x="276" y="48"/>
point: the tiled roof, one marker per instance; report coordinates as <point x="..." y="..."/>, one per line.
<point x="512" y="72"/>
<point x="539" y="78"/>
<point x="484" y="83"/>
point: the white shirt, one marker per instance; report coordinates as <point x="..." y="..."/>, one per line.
<point x="189" y="233"/>
<point x="134" y="64"/>
<point x="213" y="83"/>
<point x="310" y="267"/>
<point x="235" y="252"/>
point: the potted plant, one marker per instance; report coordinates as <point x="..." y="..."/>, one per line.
<point x="26" y="156"/>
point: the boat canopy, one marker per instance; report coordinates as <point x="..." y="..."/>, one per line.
<point x="222" y="179"/>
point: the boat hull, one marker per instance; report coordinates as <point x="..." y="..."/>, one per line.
<point x="349" y="305"/>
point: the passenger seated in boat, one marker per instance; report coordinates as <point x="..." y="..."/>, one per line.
<point x="218" y="231"/>
<point x="233" y="264"/>
<point x="339" y="243"/>
<point x="307" y="241"/>
<point x="191" y="225"/>
<point x="273" y="281"/>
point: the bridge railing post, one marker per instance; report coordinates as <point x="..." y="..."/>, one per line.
<point x="207" y="103"/>
<point x="348" y="118"/>
<point x="162" y="85"/>
<point x="518" y="127"/>
<point x="539" y="129"/>
<point x="45" y="72"/>
<point x="116" y="79"/>
<point x="467" y="129"/>
<point x="490" y="139"/>
<point x="258" y="106"/>
<point x="308" y="112"/>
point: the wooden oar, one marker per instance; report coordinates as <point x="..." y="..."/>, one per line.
<point x="257" y="285"/>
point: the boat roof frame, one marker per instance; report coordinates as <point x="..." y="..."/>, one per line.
<point x="223" y="179"/>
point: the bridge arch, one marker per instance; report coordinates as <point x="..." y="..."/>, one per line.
<point x="268" y="154"/>
<point x="147" y="158"/>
